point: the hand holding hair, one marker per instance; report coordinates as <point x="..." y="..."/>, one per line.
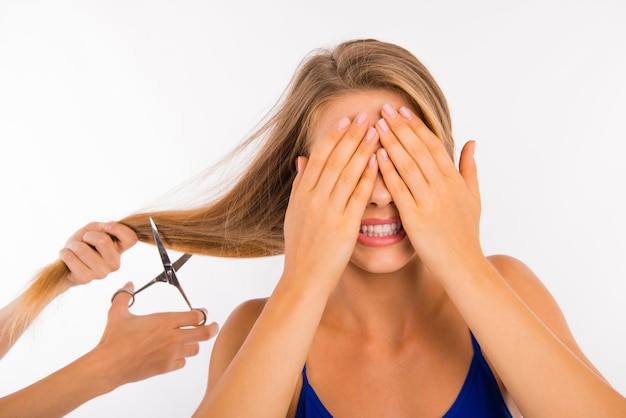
<point x="94" y="251"/>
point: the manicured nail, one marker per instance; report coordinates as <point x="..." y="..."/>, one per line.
<point x="372" y="160"/>
<point x="383" y="154"/>
<point x="371" y="133"/>
<point x="389" y="110"/>
<point x="360" y="118"/>
<point x="343" y="123"/>
<point x="383" y="125"/>
<point x="406" y="113"/>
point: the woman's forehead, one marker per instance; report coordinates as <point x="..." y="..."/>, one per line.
<point x="350" y="104"/>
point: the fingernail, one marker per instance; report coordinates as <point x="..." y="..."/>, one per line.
<point x="360" y="118"/>
<point x="406" y="113"/>
<point x="383" y="125"/>
<point x="343" y="123"/>
<point x="108" y="226"/>
<point x="372" y="160"/>
<point x="389" y="110"/>
<point x="371" y="133"/>
<point x="383" y="154"/>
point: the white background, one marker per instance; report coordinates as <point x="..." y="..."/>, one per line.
<point x="105" y="106"/>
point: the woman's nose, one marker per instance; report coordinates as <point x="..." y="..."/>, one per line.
<point x="380" y="194"/>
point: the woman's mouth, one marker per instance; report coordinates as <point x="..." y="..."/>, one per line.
<point x="381" y="232"/>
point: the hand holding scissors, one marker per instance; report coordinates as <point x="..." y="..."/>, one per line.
<point x="168" y="275"/>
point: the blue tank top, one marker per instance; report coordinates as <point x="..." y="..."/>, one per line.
<point x="480" y="395"/>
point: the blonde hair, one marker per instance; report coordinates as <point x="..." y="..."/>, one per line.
<point x="247" y="220"/>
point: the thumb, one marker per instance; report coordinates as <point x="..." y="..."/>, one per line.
<point x="121" y="299"/>
<point x="467" y="168"/>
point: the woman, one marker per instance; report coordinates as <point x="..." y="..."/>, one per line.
<point x="132" y="348"/>
<point x="387" y="305"/>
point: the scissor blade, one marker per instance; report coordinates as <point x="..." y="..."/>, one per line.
<point x="163" y="277"/>
<point x="167" y="264"/>
<point x="181" y="261"/>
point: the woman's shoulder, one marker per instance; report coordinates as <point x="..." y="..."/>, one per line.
<point x="526" y="284"/>
<point x="242" y="319"/>
<point x="537" y="298"/>
<point x="232" y="336"/>
<point x="245" y="315"/>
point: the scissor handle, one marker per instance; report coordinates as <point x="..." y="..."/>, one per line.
<point x="132" y="300"/>
<point x="132" y="296"/>
<point x="203" y="314"/>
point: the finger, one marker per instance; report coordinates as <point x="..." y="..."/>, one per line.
<point x="89" y="264"/>
<point x="468" y="170"/>
<point x="363" y="190"/>
<point x="435" y="145"/>
<point x="353" y="174"/>
<point x="177" y="364"/>
<point x="402" y="196"/>
<point x="190" y="350"/>
<point x="320" y="152"/>
<point x="343" y="153"/>
<point x="107" y="250"/>
<point x="394" y="154"/>
<point x="125" y="237"/>
<point x="182" y="319"/>
<point x="75" y="265"/>
<point x="121" y="300"/>
<point x="405" y="147"/>
<point x="199" y="333"/>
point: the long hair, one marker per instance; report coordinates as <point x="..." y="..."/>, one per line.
<point x="247" y="220"/>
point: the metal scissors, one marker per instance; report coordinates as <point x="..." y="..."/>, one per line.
<point x="168" y="275"/>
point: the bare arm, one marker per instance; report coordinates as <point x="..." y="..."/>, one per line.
<point x="132" y="348"/>
<point x="328" y="194"/>
<point x="535" y="356"/>
<point x="90" y="253"/>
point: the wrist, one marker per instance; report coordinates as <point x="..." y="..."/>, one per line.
<point x="102" y="371"/>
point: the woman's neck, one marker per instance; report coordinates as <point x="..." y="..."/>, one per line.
<point x="390" y="306"/>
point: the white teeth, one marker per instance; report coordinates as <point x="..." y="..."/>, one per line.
<point x="381" y="230"/>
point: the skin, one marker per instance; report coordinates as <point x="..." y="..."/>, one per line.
<point x="132" y="347"/>
<point x="384" y="331"/>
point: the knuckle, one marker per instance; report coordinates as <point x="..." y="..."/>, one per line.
<point x="354" y="134"/>
<point x="334" y="163"/>
<point x="316" y="160"/>
<point x="101" y="240"/>
<point x="115" y="264"/>
<point x="347" y="179"/>
<point x="418" y="150"/>
<point x="360" y="195"/>
<point x="81" y="249"/>
<point x="192" y="349"/>
<point x="93" y="226"/>
<point x="407" y="166"/>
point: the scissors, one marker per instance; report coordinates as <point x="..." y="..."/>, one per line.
<point x="168" y="275"/>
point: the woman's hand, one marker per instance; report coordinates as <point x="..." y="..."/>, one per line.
<point x="143" y="346"/>
<point x="94" y="251"/>
<point x="328" y="198"/>
<point x="439" y="206"/>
